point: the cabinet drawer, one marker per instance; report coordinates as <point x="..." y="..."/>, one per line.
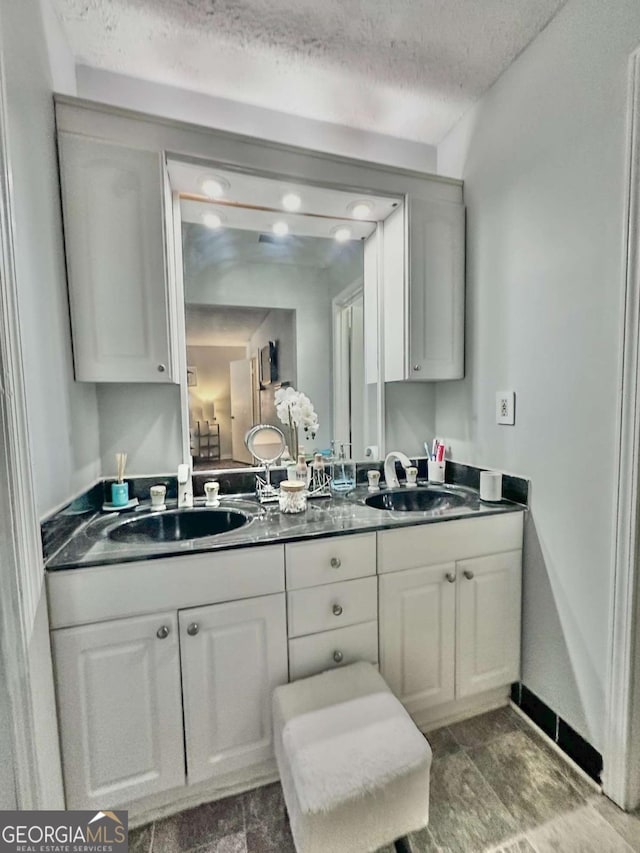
<point x="308" y="655"/>
<point x="332" y="606"/>
<point x="433" y="544"/>
<point x="338" y="558"/>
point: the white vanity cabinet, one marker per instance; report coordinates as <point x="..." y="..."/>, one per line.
<point x="164" y="693"/>
<point x="450" y="609"/>
<point x="489" y="593"/>
<point x="417" y="632"/>
<point x="152" y="704"/>
<point x="423" y="291"/>
<point x="120" y="709"/>
<point x="332" y="602"/>
<point x="114" y="228"/>
<point x="233" y="656"/>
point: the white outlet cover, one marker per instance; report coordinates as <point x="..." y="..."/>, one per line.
<point x="506" y="407"/>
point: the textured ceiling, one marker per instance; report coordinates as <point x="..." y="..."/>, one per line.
<point x="407" y="68"/>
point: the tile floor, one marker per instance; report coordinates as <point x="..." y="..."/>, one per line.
<point x="495" y="786"/>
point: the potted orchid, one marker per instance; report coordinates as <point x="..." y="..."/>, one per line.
<point x="296" y="411"/>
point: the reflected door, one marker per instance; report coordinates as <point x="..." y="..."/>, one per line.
<point x="241" y="387"/>
<point x="357" y="387"/>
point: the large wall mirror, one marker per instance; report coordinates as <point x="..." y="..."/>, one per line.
<point x="280" y="292"/>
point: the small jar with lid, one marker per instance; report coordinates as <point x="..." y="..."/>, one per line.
<point x="293" y="496"/>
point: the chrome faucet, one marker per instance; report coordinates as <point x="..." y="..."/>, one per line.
<point x="390" y="476"/>
<point x="185" y="486"/>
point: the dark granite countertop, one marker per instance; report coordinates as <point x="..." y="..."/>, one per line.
<point x="90" y="544"/>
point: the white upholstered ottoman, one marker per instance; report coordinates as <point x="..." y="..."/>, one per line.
<point x="354" y="767"/>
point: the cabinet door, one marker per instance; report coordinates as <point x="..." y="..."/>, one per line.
<point x="115" y="246"/>
<point x="489" y="606"/>
<point x="120" y="710"/>
<point x="436" y="290"/>
<point x="233" y="655"/>
<point x="417" y="635"/>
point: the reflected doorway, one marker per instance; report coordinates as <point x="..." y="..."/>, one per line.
<point x="230" y="349"/>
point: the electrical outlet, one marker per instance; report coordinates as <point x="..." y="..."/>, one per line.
<point x="506" y="407"/>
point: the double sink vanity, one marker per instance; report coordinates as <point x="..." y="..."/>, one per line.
<point x="193" y="312"/>
<point x="170" y="630"/>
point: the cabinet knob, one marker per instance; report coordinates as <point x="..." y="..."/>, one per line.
<point x="161" y="368"/>
<point x="337" y="610"/>
<point x="336" y="562"/>
<point x="451" y="577"/>
<point x="468" y="574"/>
<point x="417" y="367"/>
<point x="193" y="629"/>
<point x="163" y="632"/>
<point x="338" y="656"/>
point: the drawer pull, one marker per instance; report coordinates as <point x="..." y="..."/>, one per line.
<point x="338" y="656"/>
<point x="163" y="632"/>
<point x="468" y="574"/>
<point x="193" y="629"/>
<point x="336" y="562"/>
<point x="451" y="577"/>
<point x="337" y="610"/>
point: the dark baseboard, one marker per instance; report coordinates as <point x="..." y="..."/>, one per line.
<point x="561" y="733"/>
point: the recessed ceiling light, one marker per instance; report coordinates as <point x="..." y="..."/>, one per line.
<point x="360" y="209"/>
<point x="212" y="220"/>
<point x="214" y="187"/>
<point x="342" y="234"/>
<point x="280" y="228"/>
<point x="291" y="201"/>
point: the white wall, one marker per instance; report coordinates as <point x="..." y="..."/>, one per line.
<point x="542" y="157"/>
<point x="144" y="421"/>
<point x="410" y="411"/>
<point x="182" y="105"/>
<point x="63" y="422"/>
<point x="7" y="780"/>
<point x="277" y="326"/>
<point x="45" y="721"/>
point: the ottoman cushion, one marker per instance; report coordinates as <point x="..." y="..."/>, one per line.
<point x="353" y="765"/>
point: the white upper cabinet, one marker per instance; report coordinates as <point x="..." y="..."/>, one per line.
<point x="112" y="198"/>
<point x="423" y="291"/>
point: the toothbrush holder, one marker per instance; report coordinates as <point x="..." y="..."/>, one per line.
<point x="436" y="471"/>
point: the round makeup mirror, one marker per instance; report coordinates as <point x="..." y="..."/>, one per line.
<point x="265" y="442"/>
